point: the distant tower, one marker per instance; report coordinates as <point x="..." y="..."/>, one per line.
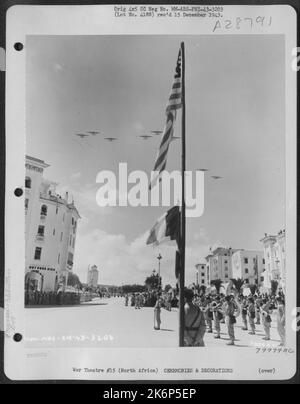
<point x="92" y="277"/>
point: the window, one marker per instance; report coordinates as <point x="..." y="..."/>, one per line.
<point x="203" y="282"/>
<point x="225" y="262"/>
<point x="53" y="232"/>
<point x="72" y="221"/>
<point x="262" y="278"/>
<point x="264" y="261"/>
<point x="70" y="240"/>
<point x="56" y="211"/>
<point x="245" y="260"/>
<point x="58" y="258"/>
<point x="73" y="244"/>
<point x="37" y="253"/>
<point x="41" y="230"/>
<point x="44" y="210"/>
<point x="70" y="259"/>
<point x="26" y="203"/>
<point x="202" y="274"/>
<point x="246" y="270"/>
<point x="226" y="269"/>
<point x="27" y="182"/>
<point x="226" y="276"/>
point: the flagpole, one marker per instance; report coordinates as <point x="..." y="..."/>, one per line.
<point x="182" y="238"/>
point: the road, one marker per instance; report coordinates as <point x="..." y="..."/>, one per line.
<point x="108" y="323"/>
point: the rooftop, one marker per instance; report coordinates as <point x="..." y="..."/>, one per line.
<point x="37" y="161"/>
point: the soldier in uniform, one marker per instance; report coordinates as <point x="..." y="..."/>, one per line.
<point x="209" y="316"/>
<point x="244" y="307"/>
<point x="157" y="310"/>
<point x="251" y="315"/>
<point x="281" y="319"/>
<point x="218" y="316"/>
<point x="230" y="308"/>
<point x="258" y="302"/>
<point x="194" y="319"/>
<point x="266" y="317"/>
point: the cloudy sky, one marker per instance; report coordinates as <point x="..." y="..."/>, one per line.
<point x="119" y="86"/>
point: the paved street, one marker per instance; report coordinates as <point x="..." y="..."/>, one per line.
<point x="108" y="323"/>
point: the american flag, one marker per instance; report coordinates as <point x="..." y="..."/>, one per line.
<point x="174" y="103"/>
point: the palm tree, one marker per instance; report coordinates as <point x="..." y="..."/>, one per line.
<point x="253" y="289"/>
<point x="238" y="284"/>
<point x="217" y="283"/>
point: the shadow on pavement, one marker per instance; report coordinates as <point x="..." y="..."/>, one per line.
<point x="65" y="305"/>
<point x="165" y="329"/>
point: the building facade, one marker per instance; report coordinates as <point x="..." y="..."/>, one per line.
<point x="50" y="231"/>
<point x="92" y="277"/>
<point x="248" y="265"/>
<point x="275" y="258"/>
<point x="201" y="275"/>
<point x="219" y="265"/>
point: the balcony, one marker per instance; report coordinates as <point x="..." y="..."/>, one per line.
<point x="40" y="237"/>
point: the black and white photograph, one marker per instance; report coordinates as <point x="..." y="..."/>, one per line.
<point x="155" y="187"/>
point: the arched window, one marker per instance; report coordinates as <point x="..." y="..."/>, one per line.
<point x="44" y="210"/>
<point x="27" y="182"/>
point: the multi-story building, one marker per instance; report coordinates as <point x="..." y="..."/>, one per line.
<point x="201" y="275"/>
<point x="219" y="265"/>
<point x="92" y="277"/>
<point x="275" y="258"/>
<point x="249" y="266"/>
<point x="50" y="230"/>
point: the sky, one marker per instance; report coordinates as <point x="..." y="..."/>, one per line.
<point x="119" y="85"/>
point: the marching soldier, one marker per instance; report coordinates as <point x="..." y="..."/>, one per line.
<point x="244" y="307"/>
<point x="257" y="307"/>
<point x="266" y="316"/>
<point x="218" y="316"/>
<point x="251" y="315"/>
<point x="230" y="311"/>
<point x="281" y="319"/>
<point x="209" y="316"/>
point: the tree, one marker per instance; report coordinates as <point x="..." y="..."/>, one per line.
<point x="274" y="287"/>
<point x="153" y="281"/>
<point x="133" y="288"/>
<point x="217" y="283"/>
<point x="238" y="284"/>
<point x="73" y="280"/>
<point x="253" y="289"/>
<point x="167" y="288"/>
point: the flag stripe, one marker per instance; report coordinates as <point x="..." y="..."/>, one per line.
<point x="174" y="103"/>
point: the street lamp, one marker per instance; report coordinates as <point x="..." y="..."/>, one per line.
<point x="159" y="257"/>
